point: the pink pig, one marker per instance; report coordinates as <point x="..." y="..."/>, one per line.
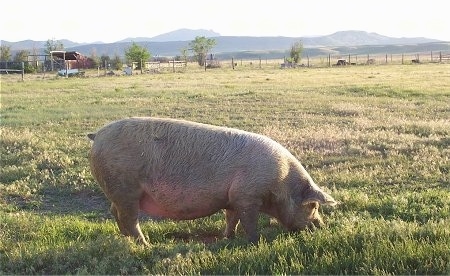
<point x="185" y="170"/>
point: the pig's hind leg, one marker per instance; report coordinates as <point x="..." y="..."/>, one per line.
<point x="126" y="215"/>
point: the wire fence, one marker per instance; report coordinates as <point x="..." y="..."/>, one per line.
<point x="10" y="67"/>
<point x="345" y="60"/>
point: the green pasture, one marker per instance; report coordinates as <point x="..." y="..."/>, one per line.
<point x="377" y="138"/>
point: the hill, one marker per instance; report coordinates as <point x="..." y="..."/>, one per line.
<point x="170" y="44"/>
<point x="177" y="35"/>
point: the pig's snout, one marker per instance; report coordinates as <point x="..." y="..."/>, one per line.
<point x="307" y="217"/>
<point x="309" y="224"/>
<point x="317" y="222"/>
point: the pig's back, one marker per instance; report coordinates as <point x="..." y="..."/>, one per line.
<point x="156" y="149"/>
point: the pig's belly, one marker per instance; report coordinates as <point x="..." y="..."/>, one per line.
<point x="177" y="207"/>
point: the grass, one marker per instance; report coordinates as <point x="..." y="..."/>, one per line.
<point x="375" y="137"/>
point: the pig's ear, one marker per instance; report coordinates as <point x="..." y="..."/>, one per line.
<point x="91" y="136"/>
<point x="317" y="195"/>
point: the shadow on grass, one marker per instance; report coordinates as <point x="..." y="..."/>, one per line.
<point x="210" y="232"/>
<point x="63" y="201"/>
<point x="87" y="203"/>
<point x="102" y="255"/>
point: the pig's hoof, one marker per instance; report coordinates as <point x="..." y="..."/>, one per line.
<point x="231" y="235"/>
<point x="253" y="239"/>
<point x="142" y="241"/>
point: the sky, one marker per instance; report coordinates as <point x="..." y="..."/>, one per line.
<point x="88" y="21"/>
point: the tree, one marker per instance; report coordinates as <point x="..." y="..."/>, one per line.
<point x="184" y="54"/>
<point x="105" y="61"/>
<point x="136" y="53"/>
<point x="296" y="51"/>
<point x="94" y="59"/>
<point x="201" y="46"/>
<point x="5" y="53"/>
<point x="22" y="56"/>
<point x="53" y="45"/>
<point x="116" y="62"/>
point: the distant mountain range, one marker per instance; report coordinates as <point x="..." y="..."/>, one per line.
<point x="178" y="35"/>
<point x="170" y="44"/>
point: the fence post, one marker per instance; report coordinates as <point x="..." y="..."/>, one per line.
<point x="431" y="56"/>
<point x="43" y="67"/>
<point x="232" y="63"/>
<point x="329" y="60"/>
<point x="173" y="65"/>
<point x="386" y="58"/>
<point x="440" y="56"/>
<point x="402" y="59"/>
<point x="23" y="70"/>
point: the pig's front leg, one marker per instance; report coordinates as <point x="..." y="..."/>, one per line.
<point x="249" y="221"/>
<point x="232" y="219"/>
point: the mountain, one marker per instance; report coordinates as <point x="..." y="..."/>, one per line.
<point x="170" y="44"/>
<point x="357" y="38"/>
<point x="37" y="46"/>
<point x="178" y="35"/>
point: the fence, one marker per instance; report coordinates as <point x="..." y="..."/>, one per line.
<point x="423" y="57"/>
<point x="157" y="66"/>
<point x="330" y="60"/>
<point x="344" y="60"/>
<point x="16" y="67"/>
<point x="377" y="59"/>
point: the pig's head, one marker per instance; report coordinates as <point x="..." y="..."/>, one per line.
<point x="305" y="211"/>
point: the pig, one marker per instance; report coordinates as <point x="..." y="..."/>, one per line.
<point x="184" y="170"/>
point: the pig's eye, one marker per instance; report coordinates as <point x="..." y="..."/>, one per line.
<point x="314" y="205"/>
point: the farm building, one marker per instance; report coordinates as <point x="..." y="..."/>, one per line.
<point x="71" y="60"/>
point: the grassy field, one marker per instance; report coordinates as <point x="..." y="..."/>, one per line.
<point x="377" y="138"/>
